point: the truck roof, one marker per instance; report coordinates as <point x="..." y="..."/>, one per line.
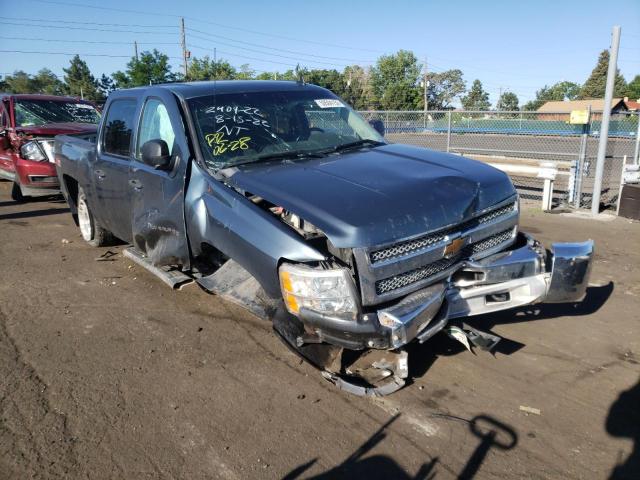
<point x="198" y="89"/>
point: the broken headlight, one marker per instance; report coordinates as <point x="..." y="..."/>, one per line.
<point x="328" y="292"/>
<point x="32" y="151"/>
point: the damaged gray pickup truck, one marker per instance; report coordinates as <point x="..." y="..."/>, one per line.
<point x="280" y="197"/>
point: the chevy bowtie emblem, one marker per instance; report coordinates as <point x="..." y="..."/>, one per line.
<point x="454" y="247"/>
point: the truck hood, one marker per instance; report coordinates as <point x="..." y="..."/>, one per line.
<point x="377" y="196"/>
<point x="52" y="129"/>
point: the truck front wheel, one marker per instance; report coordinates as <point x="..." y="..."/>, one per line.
<point x="90" y="229"/>
<point x="16" y="193"/>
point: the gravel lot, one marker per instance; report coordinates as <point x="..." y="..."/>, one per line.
<point x="107" y="373"/>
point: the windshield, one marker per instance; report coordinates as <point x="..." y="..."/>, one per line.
<point x="250" y="127"/>
<point x="42" y="112"/>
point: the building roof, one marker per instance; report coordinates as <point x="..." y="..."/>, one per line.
<point x="597" y="105"/>
<point x="632" y="105"/>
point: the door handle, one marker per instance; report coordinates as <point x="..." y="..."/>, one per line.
<point x="136" y="184"/>
<point x="100" y="174"/>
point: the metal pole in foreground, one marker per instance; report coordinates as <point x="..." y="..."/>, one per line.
<point x="449" y="131"/>
<point x="636" y="153"/>
<point x="606" y="115"/>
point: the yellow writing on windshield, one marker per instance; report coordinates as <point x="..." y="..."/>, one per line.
<point x="220" y="143"/>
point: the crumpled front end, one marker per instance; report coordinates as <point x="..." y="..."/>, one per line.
<point x="409" y="290"/>
<point x="524" y="274"/>
<point x="521" y="276"/>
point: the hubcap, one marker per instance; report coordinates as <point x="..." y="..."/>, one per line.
<point x="84" y="220"/>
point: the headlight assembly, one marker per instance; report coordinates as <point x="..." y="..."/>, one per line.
<point x="32" y="151"/>
<point x="329" y="292"/>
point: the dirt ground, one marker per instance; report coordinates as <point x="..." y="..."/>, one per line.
<point x="107" y="373"/>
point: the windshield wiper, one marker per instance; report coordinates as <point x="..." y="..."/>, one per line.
<point x="365" y="142"/>
<point x="285" y="155"/>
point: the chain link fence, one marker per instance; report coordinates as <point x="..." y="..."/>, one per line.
<point x="519" y="142"/>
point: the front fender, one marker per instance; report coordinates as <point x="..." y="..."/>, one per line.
<point x="219" y="216"/>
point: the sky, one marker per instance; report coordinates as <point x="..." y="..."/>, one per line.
<point x="517" y="46"/>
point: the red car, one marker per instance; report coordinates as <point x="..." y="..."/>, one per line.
<point x="28" y="124"/>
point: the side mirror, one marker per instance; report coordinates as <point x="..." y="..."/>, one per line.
<point x="156" y="154"/>
<point x="378" y="126"/>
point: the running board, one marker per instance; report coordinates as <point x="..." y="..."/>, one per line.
<point x="169" y="275"/>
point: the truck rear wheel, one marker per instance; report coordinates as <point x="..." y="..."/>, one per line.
<point x="91" y="231"/>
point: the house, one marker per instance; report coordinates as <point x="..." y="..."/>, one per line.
<point x="561" y="110"/>
<point x="632" y="106"/>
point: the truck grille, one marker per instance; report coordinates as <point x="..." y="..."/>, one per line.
<point x="404" y="279"/>
<point x="425" y="241"/>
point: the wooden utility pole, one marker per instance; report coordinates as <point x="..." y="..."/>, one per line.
<point x="135" y="49"/>
<point x="183" y="41"/>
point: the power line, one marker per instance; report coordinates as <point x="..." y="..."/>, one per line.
<point x="197" y="20"/>
<point x="244" y="56"/>
<point x="274" y="48"/>
<point x="73" y="54"/>
<point x="297" y="59"/>
<point x="105" y="42"/>
<point x="49" y="20"/>
<point x="81" y="28"/>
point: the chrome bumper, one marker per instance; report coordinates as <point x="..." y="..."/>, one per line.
<point x="505" y="280"/>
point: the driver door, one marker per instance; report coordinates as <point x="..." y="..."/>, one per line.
<point x="158" y="195"/>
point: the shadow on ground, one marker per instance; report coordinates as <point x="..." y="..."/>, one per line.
<point x="492" y="434"/>
<point x="624" y="421"/>
<point x="45" y="199"/>
<point x="424" y="356"/>
<point x="33" y="213"/>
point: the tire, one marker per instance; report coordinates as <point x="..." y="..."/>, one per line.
<point x="92" y="232"/>
<point x="16" y="193"/>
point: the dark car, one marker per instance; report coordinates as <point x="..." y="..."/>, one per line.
<point x="28" y="125"/>
<point x="279" y="196"/>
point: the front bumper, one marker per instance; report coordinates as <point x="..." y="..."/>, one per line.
<point x="523" y="275"/>
<point x="37" y="177"/>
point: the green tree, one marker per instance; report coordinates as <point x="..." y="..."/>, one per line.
<point x="508" y="102"/>
<point x="633" y="89"/>
<point x="106" y="85"/>
<point x="595" y="85"/>
<point x="245" y="72"/>
<point x="79" y="81"/>
<point x="558" y="92"/>
<point x="357" y="91"/>
<point x="20" y="82"/>
<point x="329" y="79"/>
<point x="394" y="79"/>
<point x="150" y="68"/>
<point x="207" y="69"/>
<point x="45" y="81"/>
<point x="444" y="88"/>
<point x="477" y="98"/>
<point x="266" y="76"/>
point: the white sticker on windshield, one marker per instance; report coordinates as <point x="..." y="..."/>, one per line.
<point x="83" y="105"/>
<point x="329" y="103"/>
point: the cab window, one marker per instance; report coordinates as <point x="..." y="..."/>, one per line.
<point x="155" y="125"/>
<point x="118" y="127"/>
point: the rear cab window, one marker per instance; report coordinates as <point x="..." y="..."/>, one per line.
<point x="118" y="127"/>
